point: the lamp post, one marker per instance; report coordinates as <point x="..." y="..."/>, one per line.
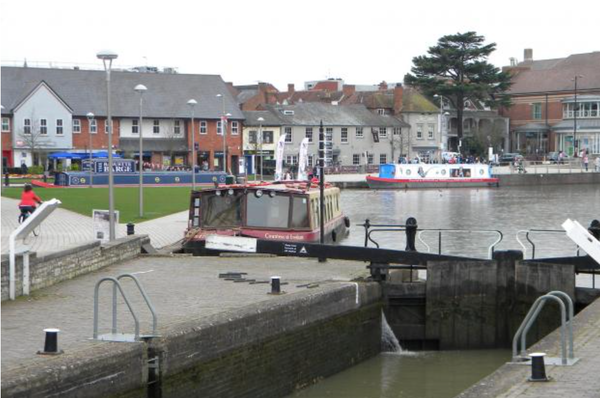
<point x="107" y="58"/>
<point x="443" y="140"/>
<point x="141" y="89"/>
<point x="90" y="118"/>
<point x="192" y="103"/>
<point x="575" y="110"/>
<point x="223" y="130"/>
<point x="260" y="121"/>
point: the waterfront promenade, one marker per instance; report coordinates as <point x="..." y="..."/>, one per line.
<point x="65" y="229"/>
<point x="182" y="288"/>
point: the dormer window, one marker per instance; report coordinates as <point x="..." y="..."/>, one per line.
<point x="381" y="112"/>
<point x="288" y="112"/>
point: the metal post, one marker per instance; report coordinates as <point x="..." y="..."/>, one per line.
<point x="140" y="89"/>
<point x="223" y="131"/>
<point x="411" y="234"/>
<point x="90" y="117"/>
<point x="192" y="103"/>
<point x="322" y="186"/>
<point x="261" y="150"/>
<point x="575" y="154"/>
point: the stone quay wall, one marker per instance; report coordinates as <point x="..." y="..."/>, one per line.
<point x="268" y="349"/>
<point x="53" y="268"/>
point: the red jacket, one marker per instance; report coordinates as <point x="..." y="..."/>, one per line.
<point x="29" y="199"/>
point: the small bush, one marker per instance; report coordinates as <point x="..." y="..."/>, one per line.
<point x="74" y="167"/>
<point x="36" y="170"/>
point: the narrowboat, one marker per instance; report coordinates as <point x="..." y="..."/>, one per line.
<point x="283" y="211"/>
<point x="404" y="176"/>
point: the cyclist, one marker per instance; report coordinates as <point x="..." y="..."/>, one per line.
<point x="28" y="203"/>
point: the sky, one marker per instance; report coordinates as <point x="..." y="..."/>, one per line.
<point x="285" y="41"/>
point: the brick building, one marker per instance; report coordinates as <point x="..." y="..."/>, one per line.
<point x="547" y="113"/>
<point x="51" y="105"/>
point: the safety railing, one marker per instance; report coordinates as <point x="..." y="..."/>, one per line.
<point x="528" y="233"/>
<point x="566" y="326"/>
<point x="115" y="335"/>
<point x="411" y="228"/>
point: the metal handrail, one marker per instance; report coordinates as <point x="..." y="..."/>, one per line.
<point x="440" y="230"/>
<point x="116" y="285"/>
<point x="532" y="316"/>
<point x="528" y="231"/>
<point x="146" y="298"/>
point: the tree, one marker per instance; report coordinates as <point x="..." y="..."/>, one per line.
<point x="399" y="145"/>
<point x="456" y="68"/>
<point x="33" y="139"/>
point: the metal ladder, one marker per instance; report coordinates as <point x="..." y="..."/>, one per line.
<point x="114" y="335"/>
<point x="566" y="326"/>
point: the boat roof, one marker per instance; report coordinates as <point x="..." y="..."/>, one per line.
<point x="299" y="187"/>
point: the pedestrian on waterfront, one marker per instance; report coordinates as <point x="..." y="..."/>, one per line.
<point x="586" y="160"/>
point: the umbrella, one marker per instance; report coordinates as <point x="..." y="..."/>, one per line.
<point x="64" y="155"/>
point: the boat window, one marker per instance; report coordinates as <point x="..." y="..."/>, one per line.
<point x="317" y="221"/>
<point x="300" y="212"/>
<point x="268" y="212"/>
<point x="222" y="211"/>
<point x="460" y="172"/>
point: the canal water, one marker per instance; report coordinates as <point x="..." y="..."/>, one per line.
<point x="446" y="374"/>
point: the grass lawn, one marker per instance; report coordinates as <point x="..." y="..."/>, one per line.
<point x="158" y="201"/>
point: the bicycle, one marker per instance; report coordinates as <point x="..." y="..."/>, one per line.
<point x="25" y="213"/>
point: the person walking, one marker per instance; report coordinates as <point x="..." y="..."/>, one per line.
<point x="29" y="202"/>
<point x="586" y="161"/>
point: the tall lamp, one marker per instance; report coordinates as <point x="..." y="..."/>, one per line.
<point x="107" y="58"/>
<point x="90" y="118"/>
<point x="192" y="103"/>
<point x="575" y="110"/>
<point x="141" y="89"/>
<point x="260" y="122"/>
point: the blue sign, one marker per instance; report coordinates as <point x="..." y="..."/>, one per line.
<point x="119" y="166"/>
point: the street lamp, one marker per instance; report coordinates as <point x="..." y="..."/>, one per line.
<point x="260" y="121"/>
<point x="192" y="103"/>
<point x="141" y="89"/>
<point x="224" y="130"/>
<point x="107" y="58"/>
<point x="575" y="110"/>
<point x="90" y="118"/>
<point x="443" y="138"/>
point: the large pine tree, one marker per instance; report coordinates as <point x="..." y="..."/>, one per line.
<point x="457" y="69"/>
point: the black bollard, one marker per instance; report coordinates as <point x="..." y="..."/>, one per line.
<point x="538" y="368"/>
<point x="275" y="285"/>
<point x="6" y="180"/>
<point x="130" y="229"/>
<point x="411" y="234"/>
<point x="45" y="177"/>
<point x="594" y="229"/>
<point x="51" y="343"/>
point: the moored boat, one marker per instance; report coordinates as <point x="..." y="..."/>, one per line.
<point x="285" y="211"/>
<point x="403" y="176"/>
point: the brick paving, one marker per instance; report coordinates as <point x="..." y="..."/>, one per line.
<point x="181" y="288"/>
<point x="65" y="229"/>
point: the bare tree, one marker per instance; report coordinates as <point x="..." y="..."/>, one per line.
<point x="171" y="142"/>
<point x="34" y="138"/>
<point x="399" y="144"/>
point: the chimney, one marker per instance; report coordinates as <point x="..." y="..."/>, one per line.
<point x="398" y="95"/>
<point x="528" y="55"/>
<point x="348" y="89"/>
<point x="383" y="86"/>
<point x="291" y="88"/>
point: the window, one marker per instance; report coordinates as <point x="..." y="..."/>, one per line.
<point x="309" y="134"/>
<point x="156" y="127"/>
<point x="356" y="159"/>
<point x="430" y="129"/>
<point x="311" y="160"/>
<point x="382" y="132"/>
<point x="234" y="128"/>
<point x="93" y="126"/>
<point x="219" y="211"/>
<point x="76" y="126"/>
<point x="177" y="127"/>
<point x="359" y="132"/>
<point x="383" y="158"/>
<point x="370" y="158"/>
<point x="106" y="126"/>
<point x="344" y="135"/>
<point x="203" y="127"/>
<point x="43" y="126"/>
<point x="252" y="136"/>
<point x="328" y="134"/>
<point x="135" y="127"/>
<point x="397" y="131"/>
<point x="59" y="127"/>
<point x="219" y="128"/>
<point x="5" y="124"/>
<point x="267" y="137"/>
<point x="291" y="160"/>
<point x="419" y="131"/>
<point x="381" y="111"/>
<point x="266" y="211"/>
<point x="26" y="126"/>
<point x="288" y="134"/>
<point x="536" y="111"/>
<point x="300" y="212"/>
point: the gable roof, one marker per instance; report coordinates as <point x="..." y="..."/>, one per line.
<point x="85" y="91"/>
<point x="36" y="89"/>
<point x="557" y="74"/>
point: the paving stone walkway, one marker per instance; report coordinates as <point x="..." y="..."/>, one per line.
<point x="181" y="288"/>
<point x="65" y="229"/>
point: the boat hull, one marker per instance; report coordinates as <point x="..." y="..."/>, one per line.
<point x="393" y="183"/>
<point x="335" y="231"/>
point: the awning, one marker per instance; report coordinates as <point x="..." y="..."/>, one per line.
<point x="532" y="128"/>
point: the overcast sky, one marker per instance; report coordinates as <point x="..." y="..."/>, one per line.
<point x="279" y="41"/>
